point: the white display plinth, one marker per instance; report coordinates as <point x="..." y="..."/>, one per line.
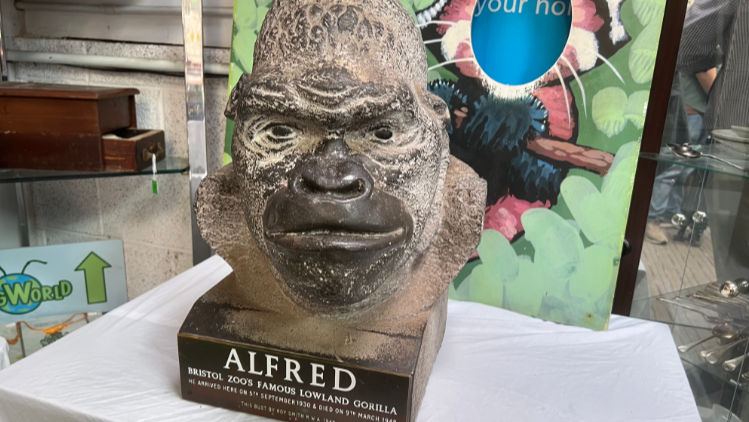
<point x="494" y="365"/>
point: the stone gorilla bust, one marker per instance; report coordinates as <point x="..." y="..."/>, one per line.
<point x="341" y="168"/>
<point x="343" y="215"/>
<point x="339" y="150"/>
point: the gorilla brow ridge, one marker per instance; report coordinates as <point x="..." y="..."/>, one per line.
<point x="271" y="100"/>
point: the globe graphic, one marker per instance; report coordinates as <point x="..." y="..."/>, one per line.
<point x="19" y="308"/>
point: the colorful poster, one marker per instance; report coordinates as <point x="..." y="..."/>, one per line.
<point x="61" y="279"/>
<point x="558" y="151"/>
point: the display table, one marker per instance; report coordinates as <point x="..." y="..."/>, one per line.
<point x="494" y="365"/>
<point x="4" y="351"/>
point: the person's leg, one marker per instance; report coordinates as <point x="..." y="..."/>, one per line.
<point x="662" y="187"/>
<point x="675" y="130"/>
<point x="697" y="132"/>
<point x="697" y="135"/>
<point x="676" y="195"/>
<point x="659" y="203"/>
<point x="697" y="125"/>
<point x="694" y="203"/>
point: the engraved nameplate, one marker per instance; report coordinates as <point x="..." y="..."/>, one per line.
<point x="288" y="386"/>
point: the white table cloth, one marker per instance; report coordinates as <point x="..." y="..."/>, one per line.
<point x="494" y="365"/>
<point x="4" y="353"/>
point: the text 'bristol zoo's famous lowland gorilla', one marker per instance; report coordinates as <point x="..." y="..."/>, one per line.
<point x="343" y="215"/>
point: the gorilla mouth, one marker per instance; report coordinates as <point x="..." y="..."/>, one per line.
<point x="336" y="239"/>
<point x="307" y="221"/>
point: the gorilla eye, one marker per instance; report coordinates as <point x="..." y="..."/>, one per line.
<point x="282" y="131"/>
<point x="383" y="133"/>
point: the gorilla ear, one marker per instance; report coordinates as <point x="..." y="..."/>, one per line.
<point x="439" y="107"/>
<point x="232" y="107"/>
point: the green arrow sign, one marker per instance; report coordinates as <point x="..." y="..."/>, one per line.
<point x="93" y="269"/>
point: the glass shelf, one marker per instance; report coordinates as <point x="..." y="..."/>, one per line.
<point x="168" y="165"/>
<point x="691" y="325"/>
<point x="717" y="371"/>
<point x="673" y="308"/>
<point x="683" y="335"/>
<point x="703" y="163"/>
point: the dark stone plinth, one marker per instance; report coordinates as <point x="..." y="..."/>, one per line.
<point x="225" y="352"/>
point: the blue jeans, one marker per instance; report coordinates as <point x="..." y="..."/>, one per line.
<point x="697" y="131"/>
<point x="668" y="188"/>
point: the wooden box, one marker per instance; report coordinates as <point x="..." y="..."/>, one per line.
<point x="61" y="127"/>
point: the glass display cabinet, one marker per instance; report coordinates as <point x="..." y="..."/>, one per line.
<point x="696" y="280"/>
<point x="692" y="197"/>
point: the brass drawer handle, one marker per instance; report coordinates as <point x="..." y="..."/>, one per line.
<point x="154" y="148"/>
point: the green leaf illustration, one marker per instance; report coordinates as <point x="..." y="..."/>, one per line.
<point x="642" y="54"/>
<point x="248" y="18"/>
<point x="616" y="189"/>
<point x="636" y="107"/>
<point x="243" y="47"/>
<point x="422" y="4"/>
<point x="414" y="6"/>
<point x="557" y="244"/>
<point x="526" y="295"/>
<point x="486" y="287"/>
<point x="630" y="149"/>
<point x="463" y="291"/>
<point x="261" y="12"/>
<point x="594" y="275"/>
<point x="411" y="7"/>
<point x="498" y="255"/>
<point x="245" y="15"/>
<point x="603" y="215"/>
<point x="452" y="294"/>
<point x="587" y="206"/>
<point x="649" y="11"/>
<point x="608" y="110"/>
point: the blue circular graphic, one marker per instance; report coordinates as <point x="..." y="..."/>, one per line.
<point x="19" y="308"/>
<point x="517" y="41"/>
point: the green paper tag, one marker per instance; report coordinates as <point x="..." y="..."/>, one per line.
<point x="155" y="187"/>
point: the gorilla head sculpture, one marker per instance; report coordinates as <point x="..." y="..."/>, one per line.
<point x="340" y="152"/>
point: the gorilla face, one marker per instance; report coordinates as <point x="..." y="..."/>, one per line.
<point x="341" y="160"/>
<point x="338" y="181"/>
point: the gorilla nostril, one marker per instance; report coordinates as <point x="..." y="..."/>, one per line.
<point x="338" y="180"/>
<point x="349" y="189"/>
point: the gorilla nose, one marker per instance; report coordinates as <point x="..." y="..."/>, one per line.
<point x="335" y="179"/>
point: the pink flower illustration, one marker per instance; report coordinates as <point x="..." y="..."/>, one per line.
<point x="504" y="216"/>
